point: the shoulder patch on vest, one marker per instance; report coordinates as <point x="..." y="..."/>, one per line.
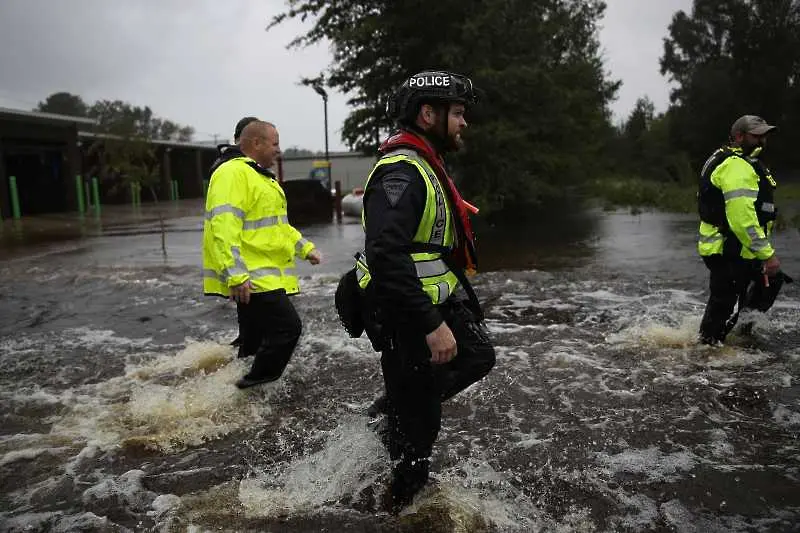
<point x="394" y="185"/>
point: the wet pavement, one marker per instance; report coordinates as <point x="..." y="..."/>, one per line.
<point x="603" y="414"/>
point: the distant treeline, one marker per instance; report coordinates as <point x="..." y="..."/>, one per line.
<point x="543" y="126"/>
<point x="117" y="117"/>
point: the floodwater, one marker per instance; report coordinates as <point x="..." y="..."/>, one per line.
<point x="119" y="413"/>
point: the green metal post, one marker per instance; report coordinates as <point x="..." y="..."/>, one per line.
<point x="12" y="183"/>
<point x="96" y="196"/>
<point x="177" y="191"/>
<point x="133" y="195"/>
<point x="79" y="194"/>
<point x="138" y="195"/>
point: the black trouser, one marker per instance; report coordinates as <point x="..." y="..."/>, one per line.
<point x="729" y="280"/>
<point x="415" y="389"/>
<point x="270" y="328"/>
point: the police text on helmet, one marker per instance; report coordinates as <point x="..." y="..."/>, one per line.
<point x="430" y="81"/>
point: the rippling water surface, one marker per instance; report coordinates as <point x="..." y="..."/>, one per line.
<point x="119" y="411"/>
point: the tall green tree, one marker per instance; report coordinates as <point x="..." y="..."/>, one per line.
<point x="122" y="118"/>
<point x="543" y="117"/>
<point x="728" y="58"/>
<point x="63" y="103"/>
<point x="643" y="148"/>
<point x="117" y="115"/>
<point x="125" y="151"/>
<point x="126" y="156"/>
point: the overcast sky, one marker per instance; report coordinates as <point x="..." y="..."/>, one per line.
<point x="207" y="63"/>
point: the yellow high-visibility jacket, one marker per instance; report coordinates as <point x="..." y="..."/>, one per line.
<point x="246" y="233"/>
<point x="736" y="202"/>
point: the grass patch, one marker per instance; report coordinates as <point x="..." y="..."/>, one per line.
<point x="787" y="193"/>
<point x="638" y="194"/>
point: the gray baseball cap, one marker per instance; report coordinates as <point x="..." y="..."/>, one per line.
<point x="751" y="124"/>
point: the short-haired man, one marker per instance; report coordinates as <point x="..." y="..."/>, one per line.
<point x="245" y="349"/>
<point x="249" y="249"/>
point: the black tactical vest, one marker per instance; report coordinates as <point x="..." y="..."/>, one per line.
<point x="711" y="202"/>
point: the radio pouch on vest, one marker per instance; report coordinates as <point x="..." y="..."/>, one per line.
<point x="355" y="310"/>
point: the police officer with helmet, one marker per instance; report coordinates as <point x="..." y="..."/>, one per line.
<point x="418" y="246"/>
<point x="737" y="215"/>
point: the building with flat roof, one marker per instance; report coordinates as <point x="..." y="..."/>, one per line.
<point x="49" y="159"/>
<point x="40" y="151"/>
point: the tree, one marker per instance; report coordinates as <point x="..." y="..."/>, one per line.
<point x="122" y="116"/>
<point x="127" y="157"/>
<point x="728" y="58"/>
<point x="643" y="148"/>
<point x="63" y="103"/>
<point x="543" y="117"/>
<point x="125" y="150"/>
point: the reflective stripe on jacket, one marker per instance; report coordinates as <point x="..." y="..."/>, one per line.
<point x="736" y="205"/>
<point x="246" y="233"/>
<point x="435" y="228"/>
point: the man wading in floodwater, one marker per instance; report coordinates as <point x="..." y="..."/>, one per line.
<point x="418" y="244"/>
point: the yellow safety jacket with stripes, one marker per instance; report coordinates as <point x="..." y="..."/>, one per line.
<point x="736" y="205"/>
<point x="435" y="235"/>
<point x="246" y="233"/>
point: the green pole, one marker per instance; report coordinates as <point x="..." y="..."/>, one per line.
<point x="79" y="194"/>
<point x="177" y="191"/>
<point x="96" y="196"/>
<point x="12" y="182"/>
<point x="138" y="195"/>
<point x="133" y="195"/>
<point x="205" y="188"/>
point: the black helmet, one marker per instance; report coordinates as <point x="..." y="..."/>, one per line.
<point x="429" y="86"/>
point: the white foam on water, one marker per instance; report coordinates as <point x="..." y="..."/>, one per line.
<point x="126" y="491"/>
<point x="606" y="297"/>
<point x="28" y="453"/>
<point x="475" y="488"/>
<point x="335" y="344"/>
<point x="474" y="493"/>
<point x="650" y="462"/>
<point x="496" y="326"/>
<point x="55" y="522"/>
<point x="785" y="417"/>
<point x="351" y="460"/>
<point x="85" y="336"/>
<point x="731" y="356"/>
<point x="648" y="331"/>
<point x="167" y="403"/>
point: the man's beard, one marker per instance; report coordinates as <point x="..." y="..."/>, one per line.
<point x="448" y="142"/>
<point x="748" y="148"/>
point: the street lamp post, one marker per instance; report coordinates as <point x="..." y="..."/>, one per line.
<point x="337" y="200"/>
<point x="324" y="96"/>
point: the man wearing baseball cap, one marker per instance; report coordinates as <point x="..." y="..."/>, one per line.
<point x="737" y="214"/>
